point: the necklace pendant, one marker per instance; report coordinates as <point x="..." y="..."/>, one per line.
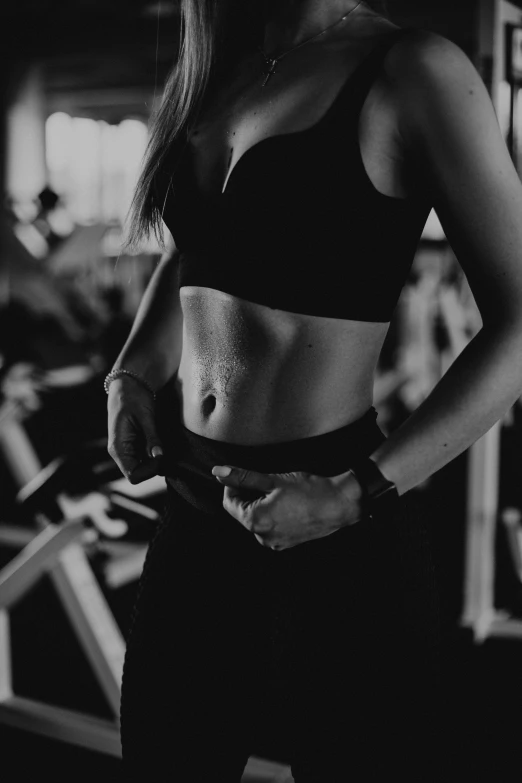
<point x="271" y="66"/>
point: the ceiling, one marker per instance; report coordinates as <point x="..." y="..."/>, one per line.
<point x="91" y="45"/>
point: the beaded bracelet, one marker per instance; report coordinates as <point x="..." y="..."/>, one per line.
<point x="120" y="371"/>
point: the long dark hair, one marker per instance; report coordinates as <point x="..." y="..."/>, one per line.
<point x="214" y="34"/>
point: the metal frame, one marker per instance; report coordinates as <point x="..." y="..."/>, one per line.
<point x="58" y="552"/>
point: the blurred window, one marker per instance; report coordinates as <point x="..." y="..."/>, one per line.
<point x="93" y="165"/>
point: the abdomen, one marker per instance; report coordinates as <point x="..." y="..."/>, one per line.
<point x="252" y="374"/>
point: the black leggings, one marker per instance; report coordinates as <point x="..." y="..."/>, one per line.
<point x="330" y="647"/>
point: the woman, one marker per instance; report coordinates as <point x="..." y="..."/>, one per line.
<point x="292" y="601"/>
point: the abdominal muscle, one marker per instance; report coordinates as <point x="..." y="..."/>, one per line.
<point x="250" y="374"/>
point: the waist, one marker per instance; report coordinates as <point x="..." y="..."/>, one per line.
<point x="190" y="457"/>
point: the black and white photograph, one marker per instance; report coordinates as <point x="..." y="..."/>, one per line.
<point x="261" y="391"/>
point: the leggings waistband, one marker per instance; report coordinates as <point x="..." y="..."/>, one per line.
<point x="189" y="468"/>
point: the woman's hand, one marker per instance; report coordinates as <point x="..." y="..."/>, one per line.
<point x="133" y="442"/>
<point x="293" y="507"/>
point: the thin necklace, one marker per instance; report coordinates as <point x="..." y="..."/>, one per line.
<point x="271" y="62"/>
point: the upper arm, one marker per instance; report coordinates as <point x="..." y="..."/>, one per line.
<point x="449" y="128"/>
<point x="169" y="264"/>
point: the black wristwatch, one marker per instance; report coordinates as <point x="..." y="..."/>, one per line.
<point x="380" y="498"/>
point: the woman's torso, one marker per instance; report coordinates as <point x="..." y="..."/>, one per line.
<point x="254" y="374"/>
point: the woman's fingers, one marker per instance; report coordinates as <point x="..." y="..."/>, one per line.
<point x="145" y="470"/>
<point x="147" y="422"/>
<point x="245" y="506"/>
<point x="137" y="470"/>
<point x="244" y="479"/>
<point x="136" y="449"/>
<point x="134" y="443"/>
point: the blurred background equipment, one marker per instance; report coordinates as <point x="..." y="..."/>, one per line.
<point x="78" y="83"/>
<point x="61" y="518"/>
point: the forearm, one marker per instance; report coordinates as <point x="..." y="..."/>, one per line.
<point x="480" y="386"/>
<point x="153" y="348"/>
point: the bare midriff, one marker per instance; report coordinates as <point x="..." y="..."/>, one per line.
<point x="251" y="374"/>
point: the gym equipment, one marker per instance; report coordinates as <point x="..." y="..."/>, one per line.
<point x="56" y="548"/>
<point x="69" y="500"/>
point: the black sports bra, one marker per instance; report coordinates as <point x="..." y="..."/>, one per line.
<point x="300" y="226"/>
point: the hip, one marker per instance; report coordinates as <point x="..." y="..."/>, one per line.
<point x="393" y="549"/>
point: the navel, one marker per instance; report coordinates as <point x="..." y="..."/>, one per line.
<point x="208" y="405"/>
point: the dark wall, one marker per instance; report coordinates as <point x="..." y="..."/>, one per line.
<point x="455" y="19"/>
<point x="87" y="44"/>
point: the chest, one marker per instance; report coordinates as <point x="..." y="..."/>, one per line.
<point x="241" y="115"/>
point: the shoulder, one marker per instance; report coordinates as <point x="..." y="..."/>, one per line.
<point x="423" y="64"/>
<point x="435" y="87"/>
<point x="425" y="49"/>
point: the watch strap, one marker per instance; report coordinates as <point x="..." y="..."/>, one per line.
<point x="380" y="497"/>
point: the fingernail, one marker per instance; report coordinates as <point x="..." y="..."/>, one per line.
<point x="156" y="451"/>
<point x="221" y="471"/>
